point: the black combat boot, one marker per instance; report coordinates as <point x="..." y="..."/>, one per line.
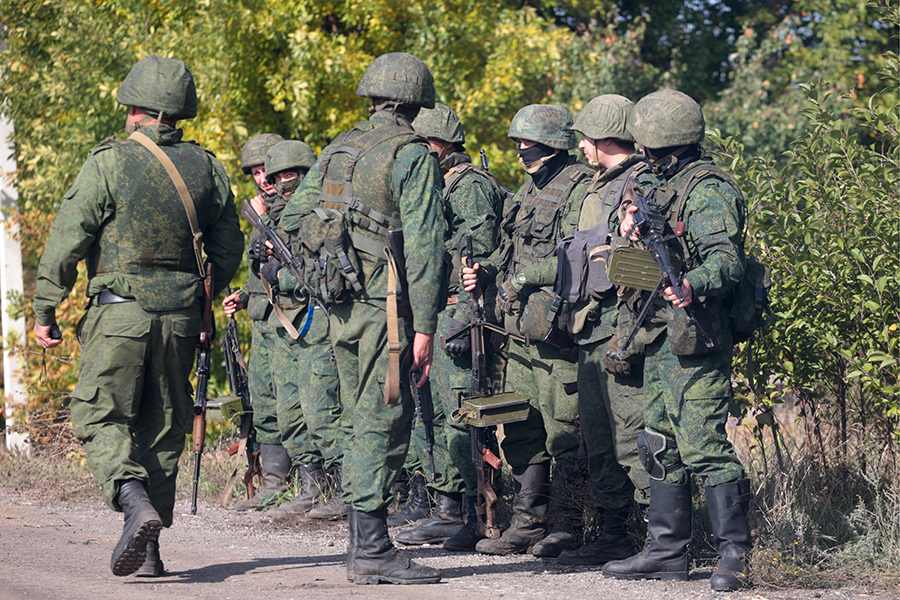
<point x="312" y="491"/>
<point x="444" y="522"/>
<point x="353" y="543"/>
<point x="142" y="525"/>
<point x="275" y="464"/>
<point x="375" y="558"/>
<point x="669" y="528"/>
<point x="467" y="537"/>
<point x="335" y="508"/>
<point x="419" y="505"/>
<point x="563" y="512"/>
<point x="728" y="505"/>
<point x="528" y="525"/>
<point x="153" y="564"/>
<point x="611" y="543"/>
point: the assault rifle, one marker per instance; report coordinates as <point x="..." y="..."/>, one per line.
<point x="198" y="434"/>
<point x="486" y="462"/>
<point x="236" y="370"/>
<point x="280" y="251"/>
<point x="421" y="395"/>
<point x="649" y="223"/>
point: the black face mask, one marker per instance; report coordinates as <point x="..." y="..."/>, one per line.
<point x="666" y="162"/>
<point x="532" y="154"/>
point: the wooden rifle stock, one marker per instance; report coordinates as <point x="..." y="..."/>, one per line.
<point x="198" y="433"/>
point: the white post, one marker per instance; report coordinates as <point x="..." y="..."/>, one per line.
<point x="10" y="283"/>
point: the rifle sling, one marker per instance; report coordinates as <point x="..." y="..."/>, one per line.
<point x="392" y="381"/>
<point x="183" y="193"/>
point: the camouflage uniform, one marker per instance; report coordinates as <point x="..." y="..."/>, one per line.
<point x="132" y="405"/>
<point x="687" y="386"/>
<point x="397" y="178"/>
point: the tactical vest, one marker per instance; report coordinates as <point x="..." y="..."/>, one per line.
<point x="149" y="239"/>
<point x="344" y="236"/>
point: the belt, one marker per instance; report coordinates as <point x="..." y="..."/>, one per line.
<point x="108" y="297"/>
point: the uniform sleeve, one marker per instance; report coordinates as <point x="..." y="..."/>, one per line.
<point x="417" y="185"/>
<point x="87" y="205"/>
<point x="715" y="230"/>
<point x="223" y="240"/>
<point x="495" y="262"/>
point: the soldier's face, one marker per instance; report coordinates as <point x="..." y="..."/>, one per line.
<point x="589" y="147"/>
<point x="259" y="176"/>
<point x="526" y="144"/>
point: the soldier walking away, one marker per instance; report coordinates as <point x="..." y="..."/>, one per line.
<point x="687" y="371"/>
<point x="274" y="459"/>
<point x="126" y="219"/>
<point x="374" y="179"/>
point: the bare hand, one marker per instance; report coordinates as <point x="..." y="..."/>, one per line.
<point x="470" y="277"/>
<point x="627" y="224"/>
<point x="686" y="289"/>
<point x="232" y="304"/>
<point x="422" y="355"/>
<point x="42" y="334"/>
<point x="258" y="204"/>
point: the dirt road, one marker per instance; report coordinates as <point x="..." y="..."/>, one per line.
<point x="61" y="550"/>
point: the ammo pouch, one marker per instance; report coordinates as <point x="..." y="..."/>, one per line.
<point x="581" y="265"/>
<point x="496" y="409"/>
<point x="634" y="267"/>
<point x="538" y="320"/>
<point x="331" y="266"/>
<point x="683" y="337"/>
<point x="750" y="300"/>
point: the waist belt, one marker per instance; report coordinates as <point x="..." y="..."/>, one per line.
<point x="108" y="297"/>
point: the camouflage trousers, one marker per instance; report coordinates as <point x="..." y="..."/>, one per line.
<point x="686" y="399"/>
<point x="551" y="430"/>
<point x="133" y="403"/>
<point x="261" y="381"/>
<point x="455" y="471"/>
<point x="377" y="434"/>
<point x="309" y="403"/>
<point x="611" y="409"/>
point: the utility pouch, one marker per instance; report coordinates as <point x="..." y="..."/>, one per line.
<point x="683" y="337"/>
<point x="497" y="409"/>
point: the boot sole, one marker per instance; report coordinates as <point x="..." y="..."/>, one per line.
<point x="132" y="557"/>
<point x="159" y="572"/>
<point x="667" y="576"/>
<point x="376" y="579"/>
<point x="436" y="540"/>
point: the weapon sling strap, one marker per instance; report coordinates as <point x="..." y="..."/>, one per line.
<point x="282" y="318"/>
<point x="183" y="192"/>
<point x="392" y="381"/>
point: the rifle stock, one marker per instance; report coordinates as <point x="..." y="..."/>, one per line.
<point x="198" y="433"/>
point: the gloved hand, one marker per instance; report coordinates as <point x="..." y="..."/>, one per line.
<point x="269" y="272"/>
<point x="258" y="249"/>
<point x="461" y="346"/>
<point x="611" y="361"/>
<point x="509" y="293"/>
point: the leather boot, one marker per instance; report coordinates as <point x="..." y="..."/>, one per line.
<point x="611" y="543"/>
<point x="418" y="507"/>
<point x="276" y="464"/>
<point x="528" y="524"/>
<point x="354" y="540"/>
<point x="564" y="513"/>
<point x="142" y="525"/>
<point x="669" y="527"/>
<point x="153" y="564"/>
<point x="376" y="560"/>
<point x="728" y="505"/>
<point x="400" y="490"/>
<point x="444" y="522"/>
<point x="312" y="491"/>
<point x="335" y="508"/>
<point x="467" y="537"/>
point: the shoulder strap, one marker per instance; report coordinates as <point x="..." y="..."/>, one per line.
<point x="183" y="192"/>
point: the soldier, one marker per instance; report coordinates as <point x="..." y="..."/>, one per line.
<point x="610" y="401"/>
<point x="687" y="375"/>
<point x="309" y="409"/>
<point x="132" y="405"/>
<point x="378" y="177"/>
<point x="543" y="211"/>
<point x="473" y="205"/>
<point x="274" y="459"/>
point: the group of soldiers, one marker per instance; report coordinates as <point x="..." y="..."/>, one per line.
<point x="330" y="380"/>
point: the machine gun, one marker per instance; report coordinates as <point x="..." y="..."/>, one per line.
<point x="198" y="434"/>
<point x="480" y="408"/>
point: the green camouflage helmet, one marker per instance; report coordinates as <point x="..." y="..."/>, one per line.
<point x="605" y="117"/>
<point x="162" y="85"/>
<point x="440" y="123"/>
<point x="288" y="156"/>
<point x="255" y="150"/>
<point x="667" y="118"/>
<point x="546" y="124"/>
<point x="400" y="77"/>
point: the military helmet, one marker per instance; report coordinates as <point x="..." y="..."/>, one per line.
<point x="255" y="150"/>
<point x="288" y="156"/>
<point x="546" y="124"/>
<point x="605" y="117"/>
<point x="440" y="123"/>
<point x="162" y="85"/>
<point x="400" y="77"/>
<point x="667" y="118"/>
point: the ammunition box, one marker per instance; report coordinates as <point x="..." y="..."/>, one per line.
<point x="486" y="411"/>
<point x="634" y="267"/>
